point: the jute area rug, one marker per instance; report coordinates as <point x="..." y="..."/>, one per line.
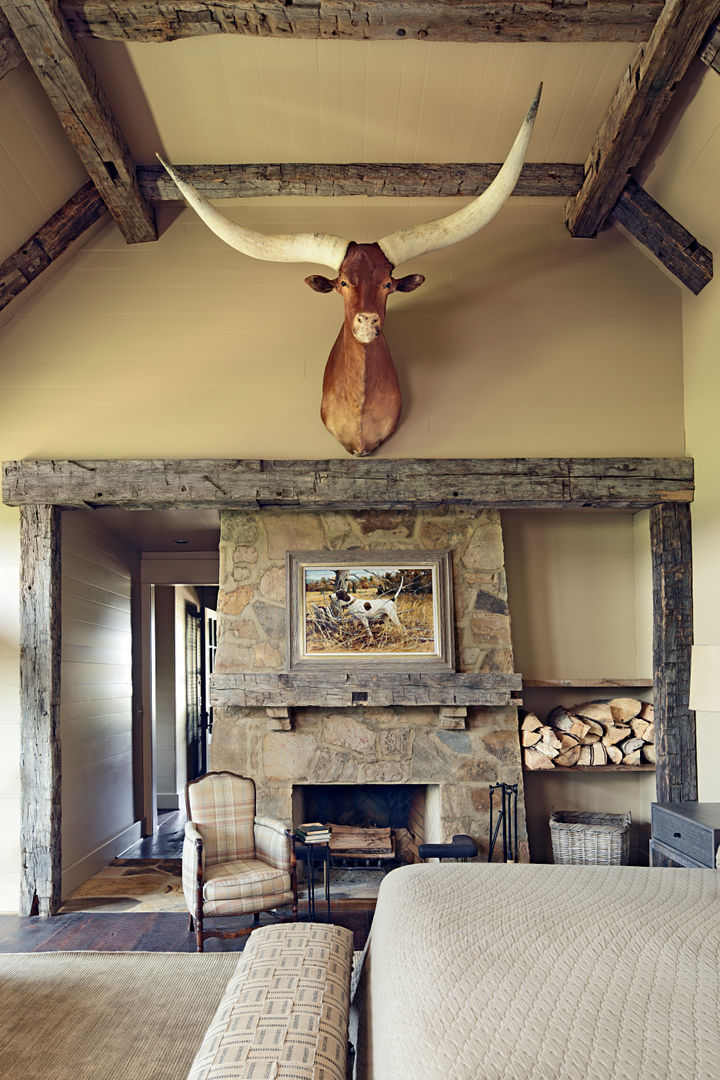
<point x="106" y="1016"/>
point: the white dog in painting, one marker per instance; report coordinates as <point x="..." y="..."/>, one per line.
<point x="366" y="611"/>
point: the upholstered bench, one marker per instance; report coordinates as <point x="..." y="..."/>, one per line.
<point x="285" y="1010"/>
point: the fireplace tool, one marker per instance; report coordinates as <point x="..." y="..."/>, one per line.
<point x="507" y="819"/>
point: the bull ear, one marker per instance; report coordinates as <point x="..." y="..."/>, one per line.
<point x="409" y="283"/>
<point x="319" y="283"/>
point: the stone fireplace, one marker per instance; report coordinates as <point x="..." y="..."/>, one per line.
<point x="372" y="745"/>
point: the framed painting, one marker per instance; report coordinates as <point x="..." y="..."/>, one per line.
<point x="380" y="610"/>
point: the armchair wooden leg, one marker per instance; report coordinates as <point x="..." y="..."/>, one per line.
<point x="199" y="947"/>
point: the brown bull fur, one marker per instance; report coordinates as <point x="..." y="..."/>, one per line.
<point x="361" y="395"/>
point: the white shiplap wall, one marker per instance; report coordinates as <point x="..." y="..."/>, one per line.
<point x="96" y="713"/>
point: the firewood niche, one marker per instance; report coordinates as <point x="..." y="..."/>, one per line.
<point x="619" y="732"/>
<point x="280" y="692"/>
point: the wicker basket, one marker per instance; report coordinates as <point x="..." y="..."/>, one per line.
<point x="590" y="839"/>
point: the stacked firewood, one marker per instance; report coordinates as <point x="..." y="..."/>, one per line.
<point x="616" y="732"/>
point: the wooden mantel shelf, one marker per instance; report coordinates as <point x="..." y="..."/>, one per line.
<point x="278" y="692"/>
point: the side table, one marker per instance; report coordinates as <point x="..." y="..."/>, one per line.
<point x="315" y="855"/>
<point x="685" y="834"/>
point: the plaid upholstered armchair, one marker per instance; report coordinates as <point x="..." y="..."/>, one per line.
<point x="234" y="863"/>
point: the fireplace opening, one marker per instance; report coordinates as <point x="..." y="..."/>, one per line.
<point x="366" y="815"/>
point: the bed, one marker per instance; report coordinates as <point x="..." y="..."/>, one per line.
<point x="482" y="972"/>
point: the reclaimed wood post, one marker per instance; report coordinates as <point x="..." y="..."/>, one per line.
<point x="670" y="542"/>
<point x="40" y="888"/>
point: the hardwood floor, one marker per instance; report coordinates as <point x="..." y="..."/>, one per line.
<point x="134" y="932"/>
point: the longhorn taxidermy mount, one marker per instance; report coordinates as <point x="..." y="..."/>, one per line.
<point x="361" y="396"/>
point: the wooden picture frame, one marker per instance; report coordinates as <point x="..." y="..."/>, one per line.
<point x="379" y="611"/>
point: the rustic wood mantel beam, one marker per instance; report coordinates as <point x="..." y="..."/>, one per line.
<point x="48" y="243"/>
<point x="543" y="179"/>
<point x="377" y="20"/>
<point x="676" y="248"/>
<point x="10" y="52"/>
<point x="66" y="74"/>
<point x="643" y="95"/>
<point x="378" y="483"/>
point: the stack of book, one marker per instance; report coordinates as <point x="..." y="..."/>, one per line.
<point x="313" y="832"/>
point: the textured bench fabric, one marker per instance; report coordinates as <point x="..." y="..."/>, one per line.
<point x="284" y="1013"/>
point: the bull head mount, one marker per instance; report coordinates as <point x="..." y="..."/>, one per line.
<point x="361" y="396"/>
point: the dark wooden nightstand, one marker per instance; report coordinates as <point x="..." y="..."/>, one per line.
<point x="685" y="834"/>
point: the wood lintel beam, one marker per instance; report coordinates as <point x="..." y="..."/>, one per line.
<point x="643" y="95"/>
<point x="671" y="243"/>
<point x="398" y="180"/>
<point x="378" y="20"/>
<point x="49" y="242"/>
<point x="66" y="73"/>
<point x="342" y="483"/>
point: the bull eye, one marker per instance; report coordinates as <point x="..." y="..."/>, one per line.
<point x="343" y="284"/>
<point x="388" y="285"/>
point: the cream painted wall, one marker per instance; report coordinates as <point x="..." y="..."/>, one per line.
<point x="521" y="342"/>
<point x="685" y="181"/>
<point x="96" y="703"/>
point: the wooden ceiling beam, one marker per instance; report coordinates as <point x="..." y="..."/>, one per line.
<point x="381" y="20"/>
<point x="710" y="53"/>
<point x="10" y="52"/>
<point x="643" y="95"/>
<point x="679" y="251"/>
<point x="56" y="235"/>
<point x="66" y="74"/>
<point x="397" y="180"/>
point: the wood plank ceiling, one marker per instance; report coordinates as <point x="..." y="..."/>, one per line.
<point x="428" y="104"/>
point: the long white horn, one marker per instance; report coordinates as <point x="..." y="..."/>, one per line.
<point x="318" y="248"/>
<point x="406" y="244"/>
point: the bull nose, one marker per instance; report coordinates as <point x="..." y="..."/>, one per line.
<point x="366" y="326"/>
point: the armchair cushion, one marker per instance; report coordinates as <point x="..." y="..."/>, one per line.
<point x="244" y="886"/>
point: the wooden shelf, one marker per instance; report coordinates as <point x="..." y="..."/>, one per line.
<point x="593" y="769"/>
<point x="570" y="684"/>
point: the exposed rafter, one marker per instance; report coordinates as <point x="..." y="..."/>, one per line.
<point x="710" y="53"/>
<point x="10" y="52"/>
<point x="640" y="100"/>
<point x="67" y="76"/>
<point x="373" y="20"/>
<point x="400" y="180"/>
<point x="665" y="237"/>
<point x="36" y="254"/>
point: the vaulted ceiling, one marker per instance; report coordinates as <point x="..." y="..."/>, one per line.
<point x="317" y="97"/>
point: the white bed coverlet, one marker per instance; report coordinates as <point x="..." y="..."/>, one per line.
<point x="493" y="972"/>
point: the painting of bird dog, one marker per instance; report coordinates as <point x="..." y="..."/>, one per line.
<point x="392" y="609"/>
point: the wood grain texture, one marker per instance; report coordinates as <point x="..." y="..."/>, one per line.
<point x="66" y="73"/>
<point x="642" y="97"/>
<point x="40" y="762"/>
<point x="399" y="180"/>
<point x="619" y="483"/>
<point x="422" y="20"/>
<point x="10" y="52"/>
<point x="81" y="211"/>
<point x="353" y="689"/>
<point x="671" y="549"/>
<point x="677" y="249"/>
